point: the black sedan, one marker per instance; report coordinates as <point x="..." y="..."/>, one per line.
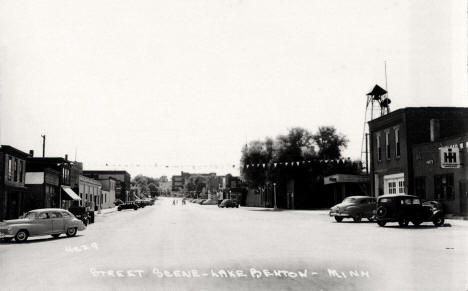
<point x="127" y="205"/>
<point x="228" y="203"/>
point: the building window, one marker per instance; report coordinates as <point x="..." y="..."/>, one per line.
<point x="391" y="187"/>
<point x="379" y="149"/>
<point x="21" y="171"/>
<point x="420" y="187"/>
<point x="443" y="187"/>
<point x="397" y="142"/>
<point x="10" y="168"/>
<point x="387" y="145"/>
<point x="401" y="187"/>
<point x="15" y="170"/>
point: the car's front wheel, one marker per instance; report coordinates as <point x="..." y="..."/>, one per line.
<point x="21" y="236"/>
<point x="338" y="218"/>
<point x="438" y="220"/>
<point x="71" y="231"/>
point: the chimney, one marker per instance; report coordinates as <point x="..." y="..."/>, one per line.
<point x="66" y="157"/>
<point x="31" y="153"/>
<point x="435" y="129"/>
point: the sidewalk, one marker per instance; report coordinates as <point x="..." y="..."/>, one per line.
<point x="106" y="211"/>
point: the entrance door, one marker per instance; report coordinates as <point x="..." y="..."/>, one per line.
<point x="463" y="198"/>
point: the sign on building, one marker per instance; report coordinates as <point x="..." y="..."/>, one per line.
<point x="449" y="157"/>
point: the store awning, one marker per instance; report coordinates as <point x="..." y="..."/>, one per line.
<point x="70" y="193"/>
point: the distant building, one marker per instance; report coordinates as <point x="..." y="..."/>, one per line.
<point x="122" y="187"/>
<point x="12" y="182"/>
<point x="177" y="183"/>
<point x="108" y="192"/>
<point x="90" y="193"/>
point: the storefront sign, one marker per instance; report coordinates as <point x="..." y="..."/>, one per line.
<point x="449" y="157"/>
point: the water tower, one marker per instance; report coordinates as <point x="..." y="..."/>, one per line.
<point x="377" y="99"/>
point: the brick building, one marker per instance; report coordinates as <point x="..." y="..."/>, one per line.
<point x="441" y="172"/>
<point x="12" y="182"/>
<point x="122" y="178"/>
<point x="393" y="138"/>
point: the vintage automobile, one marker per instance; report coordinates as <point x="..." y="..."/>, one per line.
<point x="128" y="205"/>
<point x="228" y="203"/>
<point x="83" y="214"/>
<point x="140" y="203"/>
<point x="38" y="222"/>
<point x="406" y="208"/>
<point x="355" y="207"/>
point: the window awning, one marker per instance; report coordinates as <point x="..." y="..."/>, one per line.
<point x="70" y="193"/>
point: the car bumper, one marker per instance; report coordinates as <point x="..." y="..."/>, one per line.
<point x="339" y="213"/>
<point x="6" y="235"/>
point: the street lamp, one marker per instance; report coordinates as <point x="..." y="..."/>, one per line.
<point x="274" y="195"/>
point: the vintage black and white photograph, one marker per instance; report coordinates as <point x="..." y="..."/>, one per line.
<point x="234" y="145"/>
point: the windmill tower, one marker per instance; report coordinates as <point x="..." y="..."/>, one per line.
<point x="377" y="99"/>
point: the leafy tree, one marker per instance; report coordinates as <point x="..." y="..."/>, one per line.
<point x="329" y="142"/>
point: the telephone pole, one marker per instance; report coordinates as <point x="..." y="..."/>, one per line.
<point x="43" y="145"/>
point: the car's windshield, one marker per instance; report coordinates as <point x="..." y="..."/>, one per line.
<point x="350" y="200"/>
<point x="30" y="215"/>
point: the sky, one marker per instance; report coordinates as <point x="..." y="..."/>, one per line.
<point x="160" y="87"/>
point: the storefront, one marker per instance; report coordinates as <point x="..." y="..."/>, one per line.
<point x="441" y="173"/>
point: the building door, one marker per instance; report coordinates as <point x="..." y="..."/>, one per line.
<point x="13" y="204"/>
<point x="463" y="198"/>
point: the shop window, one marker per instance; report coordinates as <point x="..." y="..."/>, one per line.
<point x="401" y="187"/>
<point x="444" y="187"/>
<point x="391" y="187"/>
<point x="420" y="187"/>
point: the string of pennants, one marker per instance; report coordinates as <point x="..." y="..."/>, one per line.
<point x="295" y="163"/>
<point x="246" y="166"/>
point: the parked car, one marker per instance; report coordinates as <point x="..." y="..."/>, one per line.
<point x="228" y="203"/>
<point x="355" y="207"/>
<point x="435" y="205"/>
<point x="83" y="214"/>
<point x="210" y="202"/>
<point x="38" y="222"/>
<point x="127" y="205"/>
<point x="117" y="202"/>
<point x="201" y="201"/>
<point x="404" y="209"/>
<point x="140" y="203"/>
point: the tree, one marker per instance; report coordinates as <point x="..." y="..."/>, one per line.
<point x="329" y="142"/>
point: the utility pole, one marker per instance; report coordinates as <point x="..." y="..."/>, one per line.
<point x="43" y="145"/>
<point x="274" y="195"/>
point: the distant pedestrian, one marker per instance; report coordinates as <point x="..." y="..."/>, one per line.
<point x="173" y="202"/>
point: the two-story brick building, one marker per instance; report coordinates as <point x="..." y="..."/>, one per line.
<point x="12" y="182"/>
<point x="394" y="136"/>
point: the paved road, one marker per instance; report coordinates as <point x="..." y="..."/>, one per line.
<point x="194" y="247"/>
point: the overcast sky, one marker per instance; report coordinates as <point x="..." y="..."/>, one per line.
<point x="187" y="83"/>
